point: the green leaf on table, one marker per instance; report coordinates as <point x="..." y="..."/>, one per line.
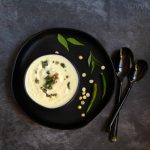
<point x="89" y="59"/>
<point x="62" y="41"/>
<point x="93" y="66"/>
<point x="74" y="41"/>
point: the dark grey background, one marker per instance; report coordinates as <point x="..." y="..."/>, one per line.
<point x="115" y="23"/>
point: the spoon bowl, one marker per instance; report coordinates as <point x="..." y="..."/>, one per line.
<point x="123" y="61"/>
<point x="138" y="71"/>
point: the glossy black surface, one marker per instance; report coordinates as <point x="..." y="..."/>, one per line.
<point x="138" y="71"/>
<point x="45" y="42"/>
<point x="123" y="61"/>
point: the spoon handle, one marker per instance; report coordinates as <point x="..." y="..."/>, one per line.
<point x="114" y="128"/>
<point x="122" y="100"/>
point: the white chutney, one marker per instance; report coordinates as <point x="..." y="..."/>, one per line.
<point x="55" y="72"/>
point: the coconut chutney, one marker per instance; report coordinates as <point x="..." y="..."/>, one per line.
<point x="51" y="81"/>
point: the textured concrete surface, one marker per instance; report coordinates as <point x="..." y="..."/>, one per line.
<point x="115" y="23"/>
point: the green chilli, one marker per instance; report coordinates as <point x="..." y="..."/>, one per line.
<point x="94" y="94"/>
<point x="104" y="84"/>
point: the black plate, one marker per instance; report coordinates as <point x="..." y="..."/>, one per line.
<point x="68" y="116"/>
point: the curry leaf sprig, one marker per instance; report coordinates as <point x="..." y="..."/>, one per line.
<point x="64" y="41"/>
<point x="92" y="62"/>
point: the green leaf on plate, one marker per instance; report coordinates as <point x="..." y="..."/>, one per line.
<point x="62" y="41"/>
<point x="89" y="59"/>
<point x="93" y="66"/>
<point x="74" y="41"/>
<point x="95" y="60"/>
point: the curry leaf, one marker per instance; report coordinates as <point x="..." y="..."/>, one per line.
<point x="93" y="66"/>
<point x="74" y="41"/>
<point x="89" y="59"/>
<point x="95" y="60"/>
<point x="63" y="41"/>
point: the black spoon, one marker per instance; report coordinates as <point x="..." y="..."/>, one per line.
<point x="137" y="72"/>
<point x="123" y="61"/>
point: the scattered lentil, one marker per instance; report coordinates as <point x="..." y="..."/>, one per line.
<point x="79" y="107"/>
<point x="83" y="93"/>
<point x="83" y="74"/>
<point x="83" y="115"/>
<point x="91" y="81"/>
<point x="103" y="67"/>
<point x="80" y="98"/>
<point x="80" y="57"/>
<point x="56" y="52"/>
<point x="83" y="89"/>
<point x="87" y="94"/>
<point x="82" y="102"/>
<point x="84" y="97"/>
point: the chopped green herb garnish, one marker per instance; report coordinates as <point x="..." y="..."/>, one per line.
<point x="63" y="65"/>
<point x="56" y="62"/>
<point x="36" y="80"/>
<point x="48" y="72"/>
<point x="49" y="81"/>
<point x="43" y="89"/>
<point x="44" y="63"/>
<point x="55" y="94"/>
<point x="68" y="85"/>
<point x="50" y="95"/>
<point x="67" y="76"/>
<point x="47" y="95"/>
